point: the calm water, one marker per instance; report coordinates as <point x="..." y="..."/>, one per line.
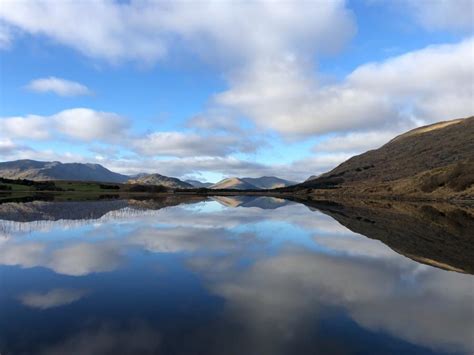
<point x="235" y="276"/>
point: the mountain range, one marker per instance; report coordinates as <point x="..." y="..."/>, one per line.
<point x="262" y="183"/>
<point x="43" y="171"/>
<point x="434" y="161"/>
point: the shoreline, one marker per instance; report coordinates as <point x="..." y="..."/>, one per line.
<point x="317" y="195"/>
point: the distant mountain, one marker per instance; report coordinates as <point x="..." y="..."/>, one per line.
<point x="233" y="183"/>
<point x="41" y="170"/>
<point x="431" y="161"/>
<point x="261" y="183"/>
<point x="157" y="179"/>
<point x="199" y="184"/>
<point x="268" y="182"/>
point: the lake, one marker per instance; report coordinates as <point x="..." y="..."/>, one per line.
<point x="235" y="275"/>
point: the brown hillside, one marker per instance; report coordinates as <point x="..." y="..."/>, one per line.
<point x="430" y="161"/>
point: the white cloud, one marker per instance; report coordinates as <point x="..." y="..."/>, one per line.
<point x="78" y="123"/>
<point x="144" y="30"/>
<point x="86" y="124"/>
<point x="427" y="85"/>
<point x="61" y="87"/>
<point x="52" y="298"/>
<point x="7" y="146"/>
<point x="442" y="14"/>
<point x="356" y="142"/>
<point x="29" y="127"/>
<point x="181" y="144"/>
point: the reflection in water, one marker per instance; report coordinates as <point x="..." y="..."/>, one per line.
<point x="233" y="275"/>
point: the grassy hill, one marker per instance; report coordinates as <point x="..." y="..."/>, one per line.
<point x="435" y="161"/>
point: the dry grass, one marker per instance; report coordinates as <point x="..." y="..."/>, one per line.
<point x="433" y="161"/>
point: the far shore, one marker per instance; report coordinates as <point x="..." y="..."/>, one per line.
<point x="297" y="196"/>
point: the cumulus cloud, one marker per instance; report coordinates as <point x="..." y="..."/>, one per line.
<point x="86" y="124"/>
<point x="144" y="30"/>
<point x="267" y="55"/>
<point x="52" y="298"/>
<point x="181" y="144"/>
<point x="61" y="87"/>
<point x="78" y="123"/>
<point x="422" y="86"/>
<point x="30" y="127"/>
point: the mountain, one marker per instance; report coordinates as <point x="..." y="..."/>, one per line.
<point x="157" y="179"/>
<point x="268" y="182"/>
<point x="40" y="170"/>
<point x="233" y="183"/>
<point x="261" y="183"/>
<point x="199" y="184"/>
<point x="434" y="161"/>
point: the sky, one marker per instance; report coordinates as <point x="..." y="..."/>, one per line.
<point x="212" y="89"/>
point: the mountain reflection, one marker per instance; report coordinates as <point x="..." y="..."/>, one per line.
<point x="267" y="277"/>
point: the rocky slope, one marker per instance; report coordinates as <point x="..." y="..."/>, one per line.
<point x="157" y="179"/>
<point x="435" y="161"/>
<point x="39" y="170"/>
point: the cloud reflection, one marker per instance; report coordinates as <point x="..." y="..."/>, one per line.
<point x="52" y="298"/>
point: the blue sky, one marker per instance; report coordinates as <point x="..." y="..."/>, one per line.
<point x="215" y="89"/>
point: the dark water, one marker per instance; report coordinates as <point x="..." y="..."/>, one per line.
<point x="235" y="276"/>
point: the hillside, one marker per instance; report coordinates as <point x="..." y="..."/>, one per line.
<point x="199" y="184"/>
<point x="261" y="183"/>
<point x="435" y="161"/>
<point x="268" y="182"/>
<point x="157" y="179"/>
<point x="39" y="170"/>
<point x="233" y="183"/>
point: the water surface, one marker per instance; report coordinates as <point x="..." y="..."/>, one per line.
<point x="232" y="275"/>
